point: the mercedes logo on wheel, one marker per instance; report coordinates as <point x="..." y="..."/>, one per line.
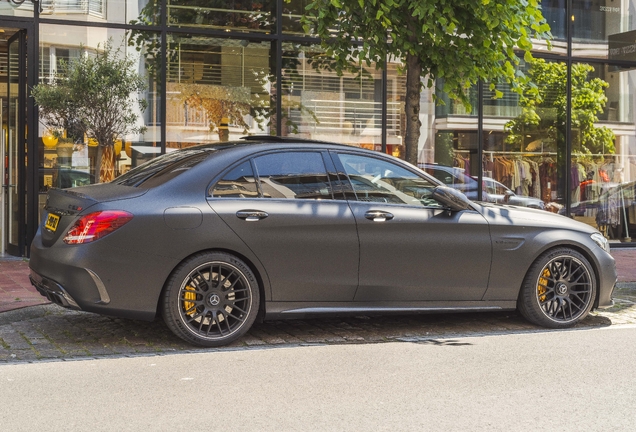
<point x="562" y="289"/>
<point x="214" y="299"/>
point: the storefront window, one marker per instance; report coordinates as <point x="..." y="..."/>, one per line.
<point x="319" y="104"/>
<point x="555" y="14"/>
<point x="245" y="15"/>
<point x="144" y="12"/>
<point x="220" y="89"/>
<point x="449" y="144"/>
<point x="396" y="121"/>
<point x="68" y="158"/>
<point x="524" y="140"/>
<point x="292" y="14"/>
<point x="603" y="149"/>
<point x="217" y="89"/>
<point x="24" y="10"/>
<point x="604" y="29"/>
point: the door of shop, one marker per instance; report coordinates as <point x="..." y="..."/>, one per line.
<point x="13" y="140"/>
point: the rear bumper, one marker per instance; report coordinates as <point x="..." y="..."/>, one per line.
<point x="99" y="279"/>
<point x="53" y="291"/>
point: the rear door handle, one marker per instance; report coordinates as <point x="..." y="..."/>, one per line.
<point x="378" y="215"/>
<point x="251" y="215"/>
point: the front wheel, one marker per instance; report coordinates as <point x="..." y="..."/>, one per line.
<point x="559" y="289"/>
<point x="211" y="299"/>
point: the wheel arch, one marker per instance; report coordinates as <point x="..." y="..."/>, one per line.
<point x="259" y="278"/>
<point x="574" y="246"/>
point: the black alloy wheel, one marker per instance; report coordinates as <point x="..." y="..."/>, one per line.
<point x="211" y="299"/>
<point x="559" y="289"/>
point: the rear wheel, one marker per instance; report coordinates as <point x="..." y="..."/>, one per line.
<point x="559" y="289"/>
<point x="211" y="299"/>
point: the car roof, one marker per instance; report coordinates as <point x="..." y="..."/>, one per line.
<point x="252" y="140"/>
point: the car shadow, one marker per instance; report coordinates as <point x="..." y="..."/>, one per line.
<point x="70" y="335"/>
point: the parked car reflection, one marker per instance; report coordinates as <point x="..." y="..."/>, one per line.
<point x="613" y="212"/>
<point x="64" y="178"/>
<point x="457" y="179"/>
<point x="498" y="192"/>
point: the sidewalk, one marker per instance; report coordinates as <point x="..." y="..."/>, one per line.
<point x="16" y="291"/>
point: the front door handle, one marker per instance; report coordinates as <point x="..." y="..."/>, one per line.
<point x="378" y="215"/>
<point x="251" y="215"/>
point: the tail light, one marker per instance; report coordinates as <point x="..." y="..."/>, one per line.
<point x="96" y="225"/>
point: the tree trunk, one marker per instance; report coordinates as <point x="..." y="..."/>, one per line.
<point x="412" y="108"/>
<point x="107" y="166"/>
<point x="98" y="163"/>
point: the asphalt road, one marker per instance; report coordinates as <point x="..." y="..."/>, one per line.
<point x="557" y="381"/>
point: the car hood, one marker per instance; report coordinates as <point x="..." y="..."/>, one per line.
<point x="504" y="214"/>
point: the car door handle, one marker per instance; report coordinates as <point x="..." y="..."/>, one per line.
<point x="251" y="215"/>
<point x="378" y="215"/>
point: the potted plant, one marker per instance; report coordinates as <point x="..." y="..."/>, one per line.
<point x="94" y="96"/>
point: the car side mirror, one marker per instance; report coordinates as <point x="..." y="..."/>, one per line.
<point x="451" y="198"/>
<point x="507" y="195"/>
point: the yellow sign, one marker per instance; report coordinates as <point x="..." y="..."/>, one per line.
<point x="51" y="222"/>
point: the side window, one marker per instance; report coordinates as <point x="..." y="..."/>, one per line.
<point x="376" y="180"/>
<point x="238" y="183"/>
<point x="293" y="175"/>
<point x="499" y="189"/>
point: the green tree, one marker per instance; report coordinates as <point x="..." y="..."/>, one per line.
<point x="544" y="108"/>
<point x="97" y="93"/>
<point x="459" y="41"/>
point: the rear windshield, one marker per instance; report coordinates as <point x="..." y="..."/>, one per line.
<point x="163" y="168"/>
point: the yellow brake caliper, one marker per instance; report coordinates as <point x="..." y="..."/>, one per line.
<point x="543" y="282"/>
<point x="189" y="295"/>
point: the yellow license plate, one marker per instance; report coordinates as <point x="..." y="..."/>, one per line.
<point x="51" y="222"/>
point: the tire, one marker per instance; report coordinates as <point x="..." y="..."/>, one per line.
<point x="211" y="299"/>
<point x="559" y="289"/>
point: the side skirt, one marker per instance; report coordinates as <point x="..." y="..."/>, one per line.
<point x="283" y="310"/>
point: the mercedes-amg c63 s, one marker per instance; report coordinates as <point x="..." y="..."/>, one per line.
<point x="215" y="236"/>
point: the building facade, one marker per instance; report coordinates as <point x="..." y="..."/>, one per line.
<point x="214" y="67"/>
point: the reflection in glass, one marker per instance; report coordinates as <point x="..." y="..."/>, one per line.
<point x="24" y="10"/>
<point x="217" y="89"/>
<point x="375" y="180"/>
<point x="67" y="157"/>
<point x="293" y="175"/>
<point x="604" y="28"/>
<point x="319" y="104"/>
<point x="292" y="14"/>
<point x="246" y="15"/>
<point x="238" y="183"/>
<point x="524" y="140"/>
<point x="143" y="12"/>
<point x="604" y="149"/>
<point x="554" y="12"/>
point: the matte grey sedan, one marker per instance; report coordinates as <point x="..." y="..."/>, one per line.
<point x="216" y="236"/>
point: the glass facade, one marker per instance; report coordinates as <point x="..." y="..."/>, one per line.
<point x="241" y="15"/>
<point x="216" y="89"/>
<point x="318" y="104"/>
<point x="70" y="160"/>
<point x="217" y="70"/>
